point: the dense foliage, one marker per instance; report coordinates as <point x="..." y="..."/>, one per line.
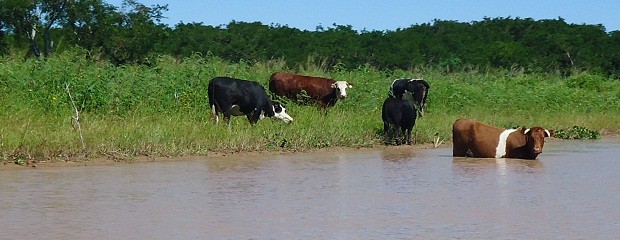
<point x="162" y="109"/>
<point x="134" y="34"/>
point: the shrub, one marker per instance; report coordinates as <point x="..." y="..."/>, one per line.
<point x="577" y="132"/>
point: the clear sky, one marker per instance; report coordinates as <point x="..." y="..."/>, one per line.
<point x="382" y="14"/>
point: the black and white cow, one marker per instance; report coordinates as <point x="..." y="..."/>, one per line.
<point x="398" y="116"/>
<point x="236" y="97"/>
<point x="415" y="90"/>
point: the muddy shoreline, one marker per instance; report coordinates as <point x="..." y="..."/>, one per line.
<point x="112" y="160"/>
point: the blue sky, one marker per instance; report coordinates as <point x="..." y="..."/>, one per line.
<point x="382" y="14"/>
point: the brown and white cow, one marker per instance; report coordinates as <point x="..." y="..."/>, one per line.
<point x="471" y="138"/>
<point x="325" y="91"/>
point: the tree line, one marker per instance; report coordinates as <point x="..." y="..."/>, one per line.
<point x="134" y="34"/>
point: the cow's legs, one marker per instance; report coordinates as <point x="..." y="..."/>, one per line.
<point x="408" y="136"/>
<point x="458" y="148"/>
<point x="227" y="118"/>
<point x="226" y="112"/>
<point x="253" y="119"/>
<point x="386" y="132"/>
<point x="390" y="134"/>
<point x="214" y="113"/>
<point x="397" y="134"/>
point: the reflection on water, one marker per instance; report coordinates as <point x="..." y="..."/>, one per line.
<point x="398" y="154"/>
<point x="571" y="191"/>
<point x="502" y="166"/>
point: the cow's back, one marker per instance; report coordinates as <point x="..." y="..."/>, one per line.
<point x="226" y="88"/>
<point x="472" y="138"/>
<point x="398" y="111"/>
<point x="290" y="85"/>
<point x="219" y="90"/>
<point x="248" y="95"/>
<point x="280" y="84"/>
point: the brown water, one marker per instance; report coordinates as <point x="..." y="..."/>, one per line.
<point x="571" y="192"/>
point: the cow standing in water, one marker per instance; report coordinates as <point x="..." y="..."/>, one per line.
<point x="471" y="138"/>
<point x="415" y="90"/>
<point x="325" y="91"/>
<point x="236" y="97"/>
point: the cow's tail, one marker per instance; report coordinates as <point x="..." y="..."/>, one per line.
<point x="215" y="107"/>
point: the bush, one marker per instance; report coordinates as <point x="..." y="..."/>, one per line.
<point x="577" y="132"/>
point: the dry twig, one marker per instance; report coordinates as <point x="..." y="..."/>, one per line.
<point x="76" y="118"/>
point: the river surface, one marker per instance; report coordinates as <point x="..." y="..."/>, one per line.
<point x="571" y="192"/>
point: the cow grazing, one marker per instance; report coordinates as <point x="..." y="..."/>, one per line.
<point x="325" y="91"/>
<point x="415" y="90"/>
<point x="398" y="117"/>
<point x="471" y="138"/>
<point x="236" y="97"/>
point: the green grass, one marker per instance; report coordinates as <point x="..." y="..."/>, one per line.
<point x="162" y="110"/>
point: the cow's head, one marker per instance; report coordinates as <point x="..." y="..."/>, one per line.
<point x="419" y="91"/>
<point x="341" y="86"/>
<point x="280" y="112"/>
<point x="536" y="139"/>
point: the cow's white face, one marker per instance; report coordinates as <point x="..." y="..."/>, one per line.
<point x="280" y="112"/>
<point x="342" y="88"/>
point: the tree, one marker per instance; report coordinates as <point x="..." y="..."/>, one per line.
<point x="28" y="18"/>
<point x="91" y="23"/>
<point x="125" y="35"/>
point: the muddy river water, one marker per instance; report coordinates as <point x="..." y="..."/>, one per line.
<point x="571" y="192"/>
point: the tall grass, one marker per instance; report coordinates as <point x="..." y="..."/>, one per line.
<point x="162" y="109"/>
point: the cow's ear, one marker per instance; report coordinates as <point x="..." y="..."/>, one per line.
<point x="524" y="130"/>
<point x="350" y="85"/>
<point x="334" y="85"/>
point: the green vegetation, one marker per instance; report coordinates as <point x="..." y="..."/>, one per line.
<point x="577" y="132"/>
<point x="162" y="109"/>
<point x="134" y="34"/>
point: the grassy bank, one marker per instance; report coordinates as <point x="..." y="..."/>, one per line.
<point x="162" y="109"/>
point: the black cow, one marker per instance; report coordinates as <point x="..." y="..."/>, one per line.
<point x="238" y="97"/>
<point x="398" y="116"/>
<point x="415" y="90"/>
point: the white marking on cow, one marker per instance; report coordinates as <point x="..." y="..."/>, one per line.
<point x="235" y="110"/>
<point x="500" y="151"/>
<point x="342" y="86"/>
<point x="546" y="131"/>
<point x="262" y="115"/>
<point x="391" y="86"/>
<point x="391" y="92"/>
<point x="214" y="113"/>
<point x="282" y="115"/>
